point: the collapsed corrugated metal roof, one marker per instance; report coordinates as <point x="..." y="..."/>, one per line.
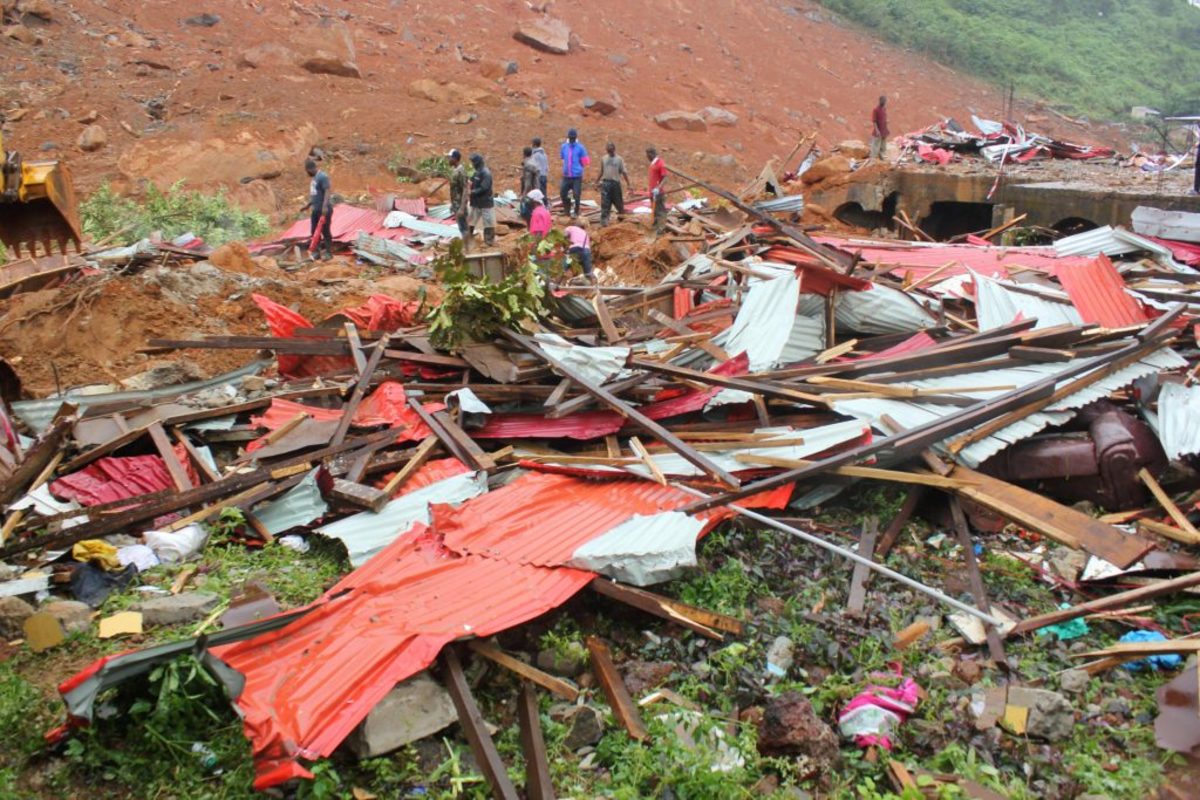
<point x="764" y="323"/>
<point x="997" y="304"/>
<point x="298" y="506"/>
<point x="1098" y="292"/>
<point x="1183" y="226"/>
<point x="643" y="550"/>
<point x="1179" y="420"/>
<point x="912" y="414"/>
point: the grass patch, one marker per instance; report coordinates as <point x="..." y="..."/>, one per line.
<point x="172" y="213"/>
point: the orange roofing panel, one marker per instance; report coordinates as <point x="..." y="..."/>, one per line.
<point x="1097" y="291"/>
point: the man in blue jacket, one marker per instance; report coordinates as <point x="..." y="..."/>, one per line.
<point x="574" y="158"/>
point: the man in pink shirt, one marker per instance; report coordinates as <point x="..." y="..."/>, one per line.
<point x="579" y="245"/>
<point x="539" y="217"/>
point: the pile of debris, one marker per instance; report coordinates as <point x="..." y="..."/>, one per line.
<point x="996" y="142"/>
<point x="477" y="488"/>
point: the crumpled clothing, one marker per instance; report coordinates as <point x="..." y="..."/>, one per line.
<point x="139" y="555"/>
<point x="98" y="552"/>
<point x="1165" y="661"/>
<point x="92" y="585"/>
<point x="874" y="713"/>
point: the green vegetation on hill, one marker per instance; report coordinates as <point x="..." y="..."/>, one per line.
<point x="1097" y="57"/>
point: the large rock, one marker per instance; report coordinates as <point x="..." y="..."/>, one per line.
<point x="586" y="727"/>
<point x="1051" y="716"/>
<point x="826" y="168"/>
<point x="717" y="116"/>
<point x="853" y="148"/>
<point x="36" y="8"/>
<point x="790" y="727"/>
<point x="681" y="121"/>
<point x="71" y="614"/>
<point x="451" y="92"/>
<point x="13" y="613"/>
<point x="92" y="139"/>
<point x="177" y="608"/>
<point x="414" y="709"/>
<point x="546" y="34"/>
<point x="22" y="34"/>
<point x="331" y="51"/>
<point x="268" y="54"/>
<point x="255" y="195"/>
<point x="602" y="107"/>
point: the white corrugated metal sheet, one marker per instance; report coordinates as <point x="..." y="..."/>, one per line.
<point x="1179" y="420"/>
<point x="764" y="323"/>
<point x="1183" y="226"/>
<point x="297" y="506"/>
<point x="595" y="364"/>
<point x="881" y="309"/>
<point x="806" y="340"/>
<point x="643" y="550"/>
<point x="996" y="305"/>
<point x="793" y="202"/>
<point x="367" y="533"/>
<point x="1111" y="242"/>
<point x="910" y="414"/>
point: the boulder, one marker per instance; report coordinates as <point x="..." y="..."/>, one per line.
<point x="92" y="139"/>
<point x="13" y="613"/>
<point x="71" y="614"/>
<point x="414" y="709"/>
<point x="269" y="54"/>
<point x="586" y="727"/>
<point x="255" y="195"/>
<point x="1051" y="716"/>
<point x="717" y="116"/>
<point x="330" y="51"/>
<point x="853" y="148"/>
<point x="178" y="608"/>
<point x="826" y="168"/>
<point x="36" y="8"/>
<point x="681" y="121"/>
<point x="790" y="727"/>
<point x="204" y="20"/>
<point x="546" y="34"/>
<point x="22" y="34"/>
<point x="451" y="92"/>
<point x="602" y="107"/>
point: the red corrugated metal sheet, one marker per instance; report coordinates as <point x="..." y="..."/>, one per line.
<point x="584" y="425"/>
<point x="386" y="405"/>
<point x="990" y="261"/>
<point x="410" y="205"/>
<point x="107" y="480"/>
<point x="815" y="278"/>
<point x="348" y="221"/>
<point x="310" y="683"/>
<point x="430" y="473"/>
<point x="1184" y="252"/>
<point x="913" y="344"/>
<point x="1098" y="292"/>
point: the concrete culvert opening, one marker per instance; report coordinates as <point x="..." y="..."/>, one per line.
<point x="1073" y="225"/>
<point x="948" y="218"/>
<point x="854" y="214"/>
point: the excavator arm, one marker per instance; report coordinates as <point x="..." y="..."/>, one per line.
<point x="37" y="205"/>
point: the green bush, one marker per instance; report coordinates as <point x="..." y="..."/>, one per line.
<point x="174" y="212"/>
<point x="1097" y="57"/>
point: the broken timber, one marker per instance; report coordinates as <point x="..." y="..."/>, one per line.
<point x="623" y="707"/>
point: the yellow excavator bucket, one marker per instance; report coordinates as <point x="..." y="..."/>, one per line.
<point x="37" y="206"/>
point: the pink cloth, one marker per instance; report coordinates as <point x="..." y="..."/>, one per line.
<point x="578" y="237"/>
<point x="539" y="221"/>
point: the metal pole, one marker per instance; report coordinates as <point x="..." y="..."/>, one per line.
<point x="855" y="557"/>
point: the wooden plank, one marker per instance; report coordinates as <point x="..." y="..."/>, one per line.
<point x="99" y="451"/>
<point x="487" y="757"/>
<point x="360" y="389"/>
<point x="643" y="454"/>
<point x="359" y="495"/>
<point x="868" y="473"/>
<point x="452" y="445"/>
<point x="624" y="709"/>
<point x="975" y="580"/>
<point x="1175" y="534"/>
<point x="574" y="404"/>
<point x="43" y="452"/>
<point x="857" y="598"/>
<point x="1040" y="514"/>
<point x="605" y="318"/>
<point x="477" y="454"/>
<point x="197" y="460"/>
<point x="629" y="412"/>
<point x="14" y="519"/>
<point x="360" y="361"/>
<point x="162" y="444"/>
<point x="704" y="622"/>
<point x="424" y="450"/>
<point x="526" y="671"/>
<point x="1168" y="504"/>
<point x="559" y="393"/>
<point x="679" y="327"/>
<point x="1113" y="601"/>
<point x="538" y="785"/>
<point x="772" y="390"/>
<point x="894" y="528"/>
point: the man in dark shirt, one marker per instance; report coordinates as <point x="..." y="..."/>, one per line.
<point x="612" y="170"/>
<point x="879" y="129"/>
<point x="458" y="192"/>
<point x="320" y="200"/>
<point x="483" y="211"/>
<point x="529" y="181"/>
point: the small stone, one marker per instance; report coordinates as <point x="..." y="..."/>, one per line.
<point x="586" y="727"/>
<point x="71" y="614"/>
<point x="90" y="117"/>
<point x="1118" y="706"/>
<point x="602" y="107"/>
<point x="92" y="139"/>
<point x="204" y="20"/>
<point x="178" y="608"/>
<point x="718" y="117"/>
<point x="1074" y="681"/>
<point x="642" y="676"/>
<point x="13" y="613"/>
<point x="1051" y="716"/>
<point x="22" y="34"/>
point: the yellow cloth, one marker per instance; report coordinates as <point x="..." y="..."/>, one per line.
<point x="101" y="552"/>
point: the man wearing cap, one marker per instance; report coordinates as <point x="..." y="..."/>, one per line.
<point x="574" y="158"/>
<point x="612" y="170"/>
<point x="483" y="211"/>
<point x="658" y="177"/>
<point x="543" y="163"/>
<point x="539" y="217"/>
<point x="458" y="192"/>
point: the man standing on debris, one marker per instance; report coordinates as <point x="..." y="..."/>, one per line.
<point x="612" y="170"/>
<point x="458" y="192"/>
<point x="320" y="200"/>
<point x="579" y="247"/>
<point x="539" y="216"/>
<point x="574" y="158"/>
<point x="658" y="177"/>
<point x="483" y="211"/>
<point x="879" y="129"/>
<point x="529" y="182"/>
<point x="543" y="163"/>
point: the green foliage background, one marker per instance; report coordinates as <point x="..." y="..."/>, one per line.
<point x="1096" y="57"/>
<point x="173" y="212"/>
